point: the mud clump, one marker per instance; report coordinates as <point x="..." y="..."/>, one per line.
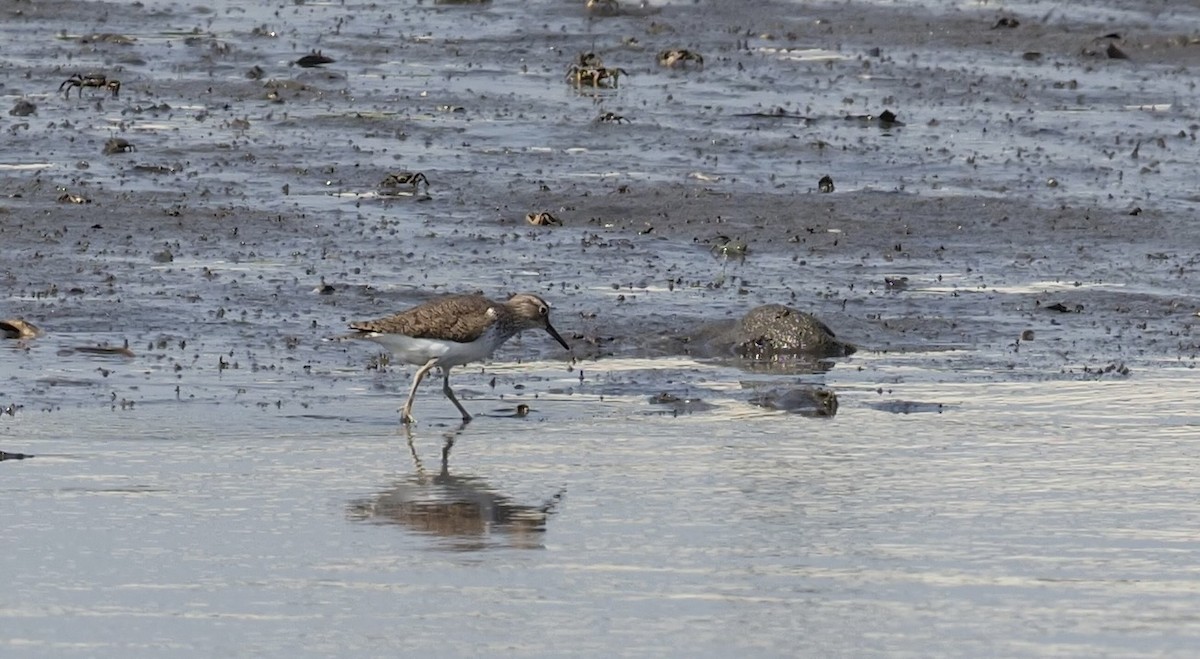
<point x="23" y="108"/>
<point x="805" y="401"/>
<point x="774" y="330"/>
<point x="681" y="404"/>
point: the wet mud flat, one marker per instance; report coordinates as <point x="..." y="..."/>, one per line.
<point x="1013" y="256"/>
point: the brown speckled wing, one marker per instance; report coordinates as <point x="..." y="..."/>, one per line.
<point x="461" y="318"/>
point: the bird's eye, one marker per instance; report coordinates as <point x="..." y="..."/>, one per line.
<point x="543" y="311"/>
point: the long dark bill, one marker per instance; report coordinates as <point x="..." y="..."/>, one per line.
<point x="550" y="330"/>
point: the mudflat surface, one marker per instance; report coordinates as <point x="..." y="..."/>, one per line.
<point x="1009" y="467"/>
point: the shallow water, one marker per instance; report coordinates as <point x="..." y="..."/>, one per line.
<point x="240" y="484"/>
<point x="1026" y="517"/>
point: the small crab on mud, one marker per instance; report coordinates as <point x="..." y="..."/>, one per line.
<point x="611" y="118"/>
<point x="68" y="198"/>
<point x="733" y="249"/>
<point x="594" y="76"/>
<point x="679" y="57"/>
<point x="589" y="69"/>
<point x="404" y="182"/>
<point x="543" y="219"/>
<point x="118" y="145"/>
<point x="97" y="80"/>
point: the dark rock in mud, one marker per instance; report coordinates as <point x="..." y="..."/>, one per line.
<point x="314" y="59"/>
<point x="1114" y="52"/>
<point x="907" y="407"/>
<point x="23" y="108"/>
<point x="885" y="119"/>
<point x="680" y="404"/>
<point x="104" y="351"/>
<point x="107" y="37"/>
<point x="1114" y="369"/>
<point x="1063" y="308"/>
<point x="161" y="108"/>
<point x="156" y="170"/>
<point x="772" y="331"/>
<point x="805" y="401"/>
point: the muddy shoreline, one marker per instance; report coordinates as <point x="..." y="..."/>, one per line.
<point x="70" y="274"/>
<point x="225" y="173"/>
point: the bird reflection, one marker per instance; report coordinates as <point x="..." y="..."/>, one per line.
<point x="464" y="510"/>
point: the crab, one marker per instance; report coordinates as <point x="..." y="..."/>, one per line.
<point x="729" y="248"/>
<point x="611" y="118"/>
<point x="594" y="75"/>
<point x="68" y="198"/>
<point x="411" y="180"/>
<point x="543" y="219"/>
<point x="118" y="145"/>
<point x="98" y="80"/>
<point x="678" y="56"/>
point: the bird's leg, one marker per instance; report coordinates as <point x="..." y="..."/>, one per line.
<point x="446" y="455"/>
<point x="450" y="437"/>
<point x="406" y="415"/>
<point x="450" y="394"/>
<point x="412" y="448"/>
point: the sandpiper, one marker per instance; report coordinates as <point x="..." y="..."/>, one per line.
<point x="452" y="331"/>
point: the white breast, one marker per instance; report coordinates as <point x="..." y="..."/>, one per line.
<point x="448" y="353"/>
